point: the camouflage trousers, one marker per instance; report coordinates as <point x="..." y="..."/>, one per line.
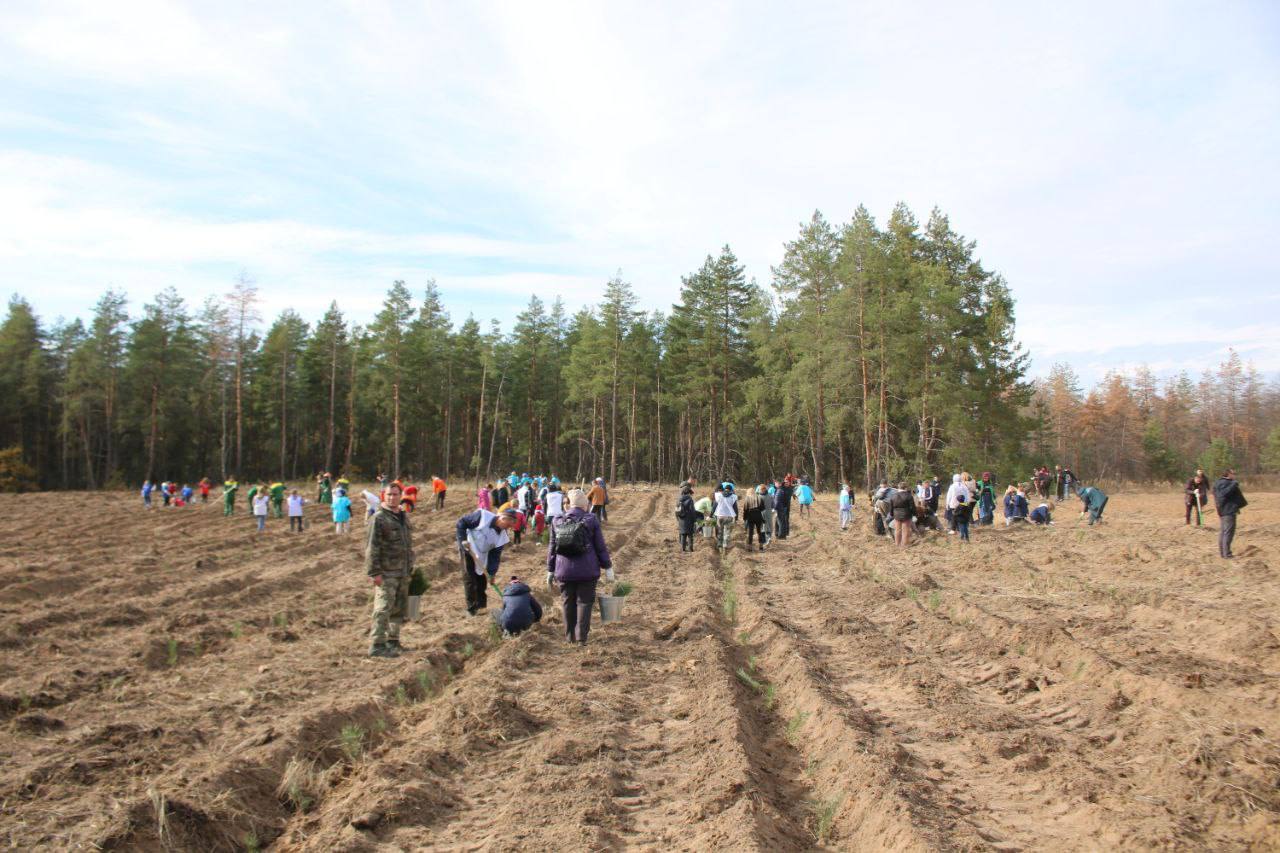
<point x="389" y="602"/>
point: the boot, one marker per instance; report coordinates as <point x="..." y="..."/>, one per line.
<point x="381" y="650"/>
<point x="395" y="647"/>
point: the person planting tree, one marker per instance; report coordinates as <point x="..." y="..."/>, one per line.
<point x="481" y="536"/>
<point x="388" y="560"/>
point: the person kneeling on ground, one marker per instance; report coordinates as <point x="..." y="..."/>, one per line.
<point x="574" y="559"/>
<point x="519" y="608"/>
<point x="388" y="560"/>
<point x="1015" y="505"/>
<point x="1043" y="514"/>
<point x="481" y="536"/>
<point x="1094" y="501"/>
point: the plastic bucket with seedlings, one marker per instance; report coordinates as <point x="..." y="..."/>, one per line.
<point x="418" y="584"/>
<point x="611" y="605"/>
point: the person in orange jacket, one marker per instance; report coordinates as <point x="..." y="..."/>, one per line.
<point x="438" y="489"/>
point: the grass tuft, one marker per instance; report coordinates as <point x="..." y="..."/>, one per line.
<point x="469" y="649"/>
<point x="237" y="630"/>
<point x="402" y="695"/>
<point x="300" y="783"/>
<point x="173" y="652"/>
<point x="913" y="594"/>
<point x="729" y="599"/>
<point x="426" y="683"/>
<point x="935" y="599"/>
<point x="280" y="619"/>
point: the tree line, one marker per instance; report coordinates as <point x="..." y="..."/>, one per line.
<point x="875" y="351"/>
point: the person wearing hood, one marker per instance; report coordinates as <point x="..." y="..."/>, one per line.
<point x="1043" y="514"/>
<point x="575" y="557"/>
<point x="1196" y="495"/>
<point x="846" y="506"/>
<point x="519" y="608"/>
<point x="1094" y="500"/>
<point x="687" y="517"/>
<point x="1229" y="500"/>
<point x="956" y="495"/>
<point x="481" y="536"/>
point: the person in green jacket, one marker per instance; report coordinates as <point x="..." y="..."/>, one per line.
<point x="326" y="488"/>
<point x="1094" y="500"/>
<point x="229" y="496"/>
<point x="253" y="491"/>
<point x="277" y="499"/>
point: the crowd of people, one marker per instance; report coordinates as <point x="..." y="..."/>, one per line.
<point x="570" y="522"/>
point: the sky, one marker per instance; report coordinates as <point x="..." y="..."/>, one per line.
<point x="1118" y="163"/>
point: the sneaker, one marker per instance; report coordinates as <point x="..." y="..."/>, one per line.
<point x="380" y="650"/>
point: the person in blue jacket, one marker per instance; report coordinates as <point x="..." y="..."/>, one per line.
<point x="1043" y="514"/>
<point x="1094" y="500"/>
<point x="186" y="493"/>
<point x="519" y="608"/>
<point x="146" y="494"/>
<point x="804" y="496"/>
<point x="1015" y="505"/>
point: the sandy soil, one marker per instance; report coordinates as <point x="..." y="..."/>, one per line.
<point x="172" y="681"/>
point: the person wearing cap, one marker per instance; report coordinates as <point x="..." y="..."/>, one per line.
<point x="575" y="557"/>
<point x="481" y="535"/>
<point x="519" y="608"/>
<point x="1229" y="500"/>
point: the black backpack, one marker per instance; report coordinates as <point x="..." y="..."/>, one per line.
<point x="571" y="536"/>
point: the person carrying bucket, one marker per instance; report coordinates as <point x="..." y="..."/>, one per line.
<point x="575" y="557"/>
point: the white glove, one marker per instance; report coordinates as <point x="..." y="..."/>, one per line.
<point x="551" y="578"/>
<point x="608" y="574"/>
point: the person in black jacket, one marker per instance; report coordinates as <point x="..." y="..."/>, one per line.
<point x="1229" y="500"/>
<point x="902" y="505"/>
<point x="519" y="608"/>
<point x="782" y="506"/>
<point x="1196" y="495"/>
<point x="688" y="517"/>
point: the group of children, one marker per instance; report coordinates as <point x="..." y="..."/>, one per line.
<point x="172" y="495"/>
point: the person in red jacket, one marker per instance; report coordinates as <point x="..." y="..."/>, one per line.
<point x="204" y="490"/>
<point x="410" y="499"/>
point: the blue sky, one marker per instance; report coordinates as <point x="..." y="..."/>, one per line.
<point x="1116" y="162"/>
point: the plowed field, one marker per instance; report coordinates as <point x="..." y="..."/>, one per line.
<point x="171" y="680"/>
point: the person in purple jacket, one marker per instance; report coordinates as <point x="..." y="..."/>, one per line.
<point x="574" y="559"/>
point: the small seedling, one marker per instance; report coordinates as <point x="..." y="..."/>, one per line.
<point x="426" y="683"/>
<point x="280" y="620"/>
<point x="298" y="798"/>
<point x="751" y="662"/>
<point x="1022" y="649"/>
<point x="745" y="678"/>
<point x="744" y="637"/>
<point x="824" y="814"/>
<point x="237" y="630"/>
<point x="913" y="594"/>
<point x="1079" y="670"/>
<point x="352" y="738"/>
<point x="935" y="599"/>
<point x="402" y="695"/>
<point x="495" y="634"/>
<point x="198" y="648"/>
<point x="251" y="843"/>
<point x="622" y="589"/>
<point x="770" y="696"/>
<point x="794" y="725"/>
<point x="379" y="725"/>
<point x="173" y="652"/>
<point x="729" y="600"/>
<point x="448" y="670"/>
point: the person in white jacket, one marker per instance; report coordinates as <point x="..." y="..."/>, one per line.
<point x="955" y="493"/>
<point x="726" y="512"/>
<point x="553" y="503"/>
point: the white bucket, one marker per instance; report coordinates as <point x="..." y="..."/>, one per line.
<point x="610" y="607"/>
<point x="413" y="609"/>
